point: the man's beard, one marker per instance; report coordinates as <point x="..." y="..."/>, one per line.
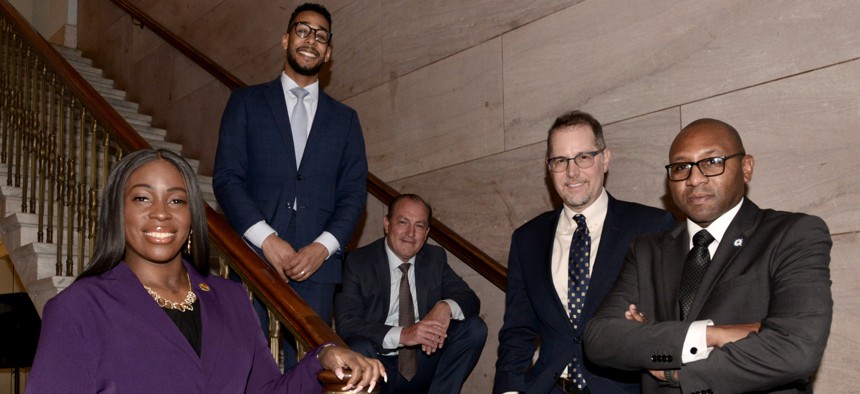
<point x="306" y="71"/>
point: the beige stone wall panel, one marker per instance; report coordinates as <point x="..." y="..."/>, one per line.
<point x="839" y="367"/>
<point x="357" y="38"/>
<point x="420" y="32"/>
<point x="441" y="115"/>
<point x="620" y="59"/>
<point x="485" y="200"/>
<point x="803" y="132"/>
<point x="640" y="147"/>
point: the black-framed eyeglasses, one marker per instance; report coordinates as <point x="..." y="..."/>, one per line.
<point x="583" y="160"/>
<point x="711" y="166"/>
<point x="303" y="29"/>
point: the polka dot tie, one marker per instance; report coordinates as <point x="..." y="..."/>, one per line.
<point x="577" y="285"/>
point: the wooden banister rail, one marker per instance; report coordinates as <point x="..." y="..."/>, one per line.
<point x="290" y="307"/>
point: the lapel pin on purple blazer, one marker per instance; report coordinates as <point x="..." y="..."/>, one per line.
<point x="739" y="242"/>
<point x="204" y="286"/>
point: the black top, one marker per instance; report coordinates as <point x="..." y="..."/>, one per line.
<point x="189" y="324"/>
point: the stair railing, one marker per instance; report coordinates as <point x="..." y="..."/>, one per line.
<point x="59" y="139"/>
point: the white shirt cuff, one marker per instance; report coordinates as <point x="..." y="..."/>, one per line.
<point x="257" y="233"/>
<point x="696" y="342"/>
<point x="392" y="339"/>
<point x="456" y="312"/>
<point x="329" y="241"/>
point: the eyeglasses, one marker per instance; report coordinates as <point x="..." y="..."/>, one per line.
<point x="711" y="166"/>
<point x="303" y="29"/>
<point x="583" y="160"/>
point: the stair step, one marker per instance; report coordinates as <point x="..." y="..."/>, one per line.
<point x="36" y="261"/>
<point x="44" y="289"/>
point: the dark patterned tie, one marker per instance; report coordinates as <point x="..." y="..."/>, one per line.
<point x="577" y="285"/>
<point x="694" y="270"/>
<point x="407" y="357"/>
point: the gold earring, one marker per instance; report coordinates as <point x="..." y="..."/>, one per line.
<point x="188" y="245"/>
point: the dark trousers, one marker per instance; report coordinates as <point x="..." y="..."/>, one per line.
<point x="441" y="372"/>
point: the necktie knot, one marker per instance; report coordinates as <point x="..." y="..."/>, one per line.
<point x="404" y="268"/>
<point x="703" y="238"/>
<point x="300" y="93"/>
<point x="581" y="225"/>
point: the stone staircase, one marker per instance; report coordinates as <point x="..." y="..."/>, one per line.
<point x="35" y="262"/>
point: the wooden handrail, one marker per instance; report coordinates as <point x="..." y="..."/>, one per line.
<point x="447" y="238"/>
<point x="290" y="307"/>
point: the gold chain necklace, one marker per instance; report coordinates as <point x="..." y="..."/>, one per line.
<point x="186" y="305"/>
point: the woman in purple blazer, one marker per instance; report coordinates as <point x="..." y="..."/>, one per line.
<point x="140" y="319"/>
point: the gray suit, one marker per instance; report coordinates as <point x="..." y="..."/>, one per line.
<point x="770" y="267"/>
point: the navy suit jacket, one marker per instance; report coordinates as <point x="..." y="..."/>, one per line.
<point x="105" y="334"/>
<point x="533" y="310"/>
<point x="256" y="176"/>
<point x="770" y="267"/>
<point x="362" y="305"/>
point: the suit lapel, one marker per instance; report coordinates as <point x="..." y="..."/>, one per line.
<point x="601" y="276"/>
<point x="674" y="247"/>
<point x="210" y="313"/>
<point x="422" y="270"/>
<point x="128" y="287"/>
<point x="320" y="124"/>
<point x="545" y="268"/>
<point x="274" y="94"/>
<point x="732" y="242"/>
<point x="383" y="278"/>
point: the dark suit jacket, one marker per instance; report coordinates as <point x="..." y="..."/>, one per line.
<point x="770" y="267"/>
<point x="256" y="177"/>
<point x="533" y="309"/>
<point x="362" y="305"/>
<point x="105" y="334"/>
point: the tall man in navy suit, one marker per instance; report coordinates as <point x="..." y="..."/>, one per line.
<point x="444" y="333"/>
<point x="757" y="316"/>
<point x="542" y="270"/>
<point x="291" y="170"/>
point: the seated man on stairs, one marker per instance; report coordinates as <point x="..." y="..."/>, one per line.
<point x="402" y="303"/>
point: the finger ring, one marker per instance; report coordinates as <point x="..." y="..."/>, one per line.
<point x="302" y="273"/>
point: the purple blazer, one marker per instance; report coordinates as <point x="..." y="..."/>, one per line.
<point x="105" y="334"/>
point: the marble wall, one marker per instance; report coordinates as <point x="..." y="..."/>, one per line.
<point x="455" y="98"/>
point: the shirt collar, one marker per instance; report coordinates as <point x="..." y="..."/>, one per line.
<point x="394" y="262"/>
<point x="594" y="214"/>
<point x="718" y="227"/>
<point x="287" y="83"/>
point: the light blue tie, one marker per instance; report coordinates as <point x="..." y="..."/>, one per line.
<point x="299" y="124"/>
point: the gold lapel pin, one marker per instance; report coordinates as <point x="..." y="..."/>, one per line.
<point x="204" y="286"/>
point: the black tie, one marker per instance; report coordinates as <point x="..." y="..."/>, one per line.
<point x="694" y="270"/>
<point x="577" y="286"/>
<point x="407" y="357"/>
